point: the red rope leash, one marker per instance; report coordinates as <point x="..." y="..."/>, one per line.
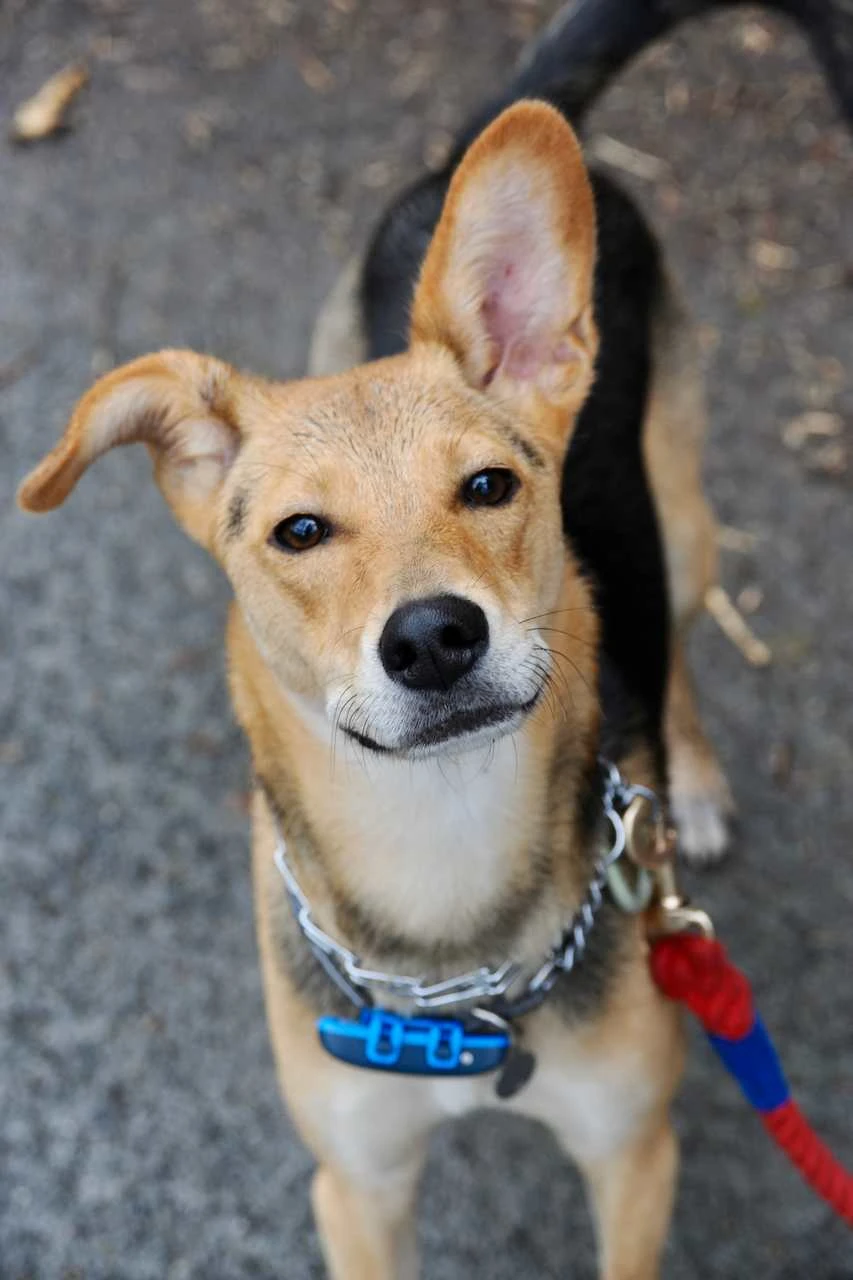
<point x="697" y="972"/>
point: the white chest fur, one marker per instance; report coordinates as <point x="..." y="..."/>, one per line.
<point x="431" y="843"/>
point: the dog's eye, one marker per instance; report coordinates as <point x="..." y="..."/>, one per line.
<point x="300" y="533"/>
<point x="493" y="487"/>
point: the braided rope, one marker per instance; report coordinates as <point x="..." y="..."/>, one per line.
<point x="697" y="972"/>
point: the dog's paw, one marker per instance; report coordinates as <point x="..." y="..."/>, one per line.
<point x="701" y="802"/>
<point x="703" y="822"/>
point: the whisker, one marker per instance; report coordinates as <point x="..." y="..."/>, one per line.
<point x="559" y="707"/>
<point x="359" y="626"/>
<point x="541" y="669"/>
<point x="550" y="670"/>
<point x="550" y="675"/>
<point x="589" y="644"/>
<point x="550" y="613"/>
<point x="340" y="708"/>
<point x="558" y="653"/>
<point x="476" y="581"/>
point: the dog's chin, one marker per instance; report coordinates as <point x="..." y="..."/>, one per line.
<point x="464" y="730"/>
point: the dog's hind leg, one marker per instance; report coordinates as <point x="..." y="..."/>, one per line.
<point x="700" y="797"/>
<point x="674" y="430"/>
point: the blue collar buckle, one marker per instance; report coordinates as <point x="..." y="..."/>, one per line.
<point x="385" y="1041"/>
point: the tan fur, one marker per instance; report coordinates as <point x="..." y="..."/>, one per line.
<point x="428" y="858"/>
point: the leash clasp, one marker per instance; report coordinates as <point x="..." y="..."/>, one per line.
<point x="650" y="841"/>
<point x="640" y="820"/>
<point x="671" y="911"/>
<point x="651" y="844"/>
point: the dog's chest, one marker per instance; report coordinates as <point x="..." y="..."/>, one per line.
<point x="432" y="846"/>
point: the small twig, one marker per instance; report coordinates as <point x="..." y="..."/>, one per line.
<point x="735" y="627"/>
<point x="620" y="156"/>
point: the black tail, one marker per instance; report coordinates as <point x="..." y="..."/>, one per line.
<point x="569" y="65"/>
<point x="590" y="41"/>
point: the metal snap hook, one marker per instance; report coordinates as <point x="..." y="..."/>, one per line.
<point x="631" y="890"/>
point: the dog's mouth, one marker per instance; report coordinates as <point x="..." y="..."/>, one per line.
<point x="491" y="721"/>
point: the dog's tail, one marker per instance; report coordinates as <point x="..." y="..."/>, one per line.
<point x="569" y="65"/>
<point x="588" y="42"/>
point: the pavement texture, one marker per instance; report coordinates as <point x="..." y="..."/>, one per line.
<point x="224" y="161"/>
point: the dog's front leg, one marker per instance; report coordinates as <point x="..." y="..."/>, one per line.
<point x="367" y="1228"/>
<point x="605" y="1090"/>
<point x="632" y="1193"/>
<point x="368" y="1132"/>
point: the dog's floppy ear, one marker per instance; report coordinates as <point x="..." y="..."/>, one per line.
<point x="508" y="278"/>
<point x="177" y="403"/>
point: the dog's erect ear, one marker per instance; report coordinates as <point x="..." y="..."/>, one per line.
<point x="507" y="280"/>
<point x="177" y="403"/>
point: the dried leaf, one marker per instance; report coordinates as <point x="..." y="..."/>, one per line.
<point x="44" y="113"/>
<point x="437" y="148"/>
<point x="806" y="426"/>
<point x="315" y="73"/>
<point x="756" y="38"/>
<point x="770" y="256"/>
<point x="750" y="599"/>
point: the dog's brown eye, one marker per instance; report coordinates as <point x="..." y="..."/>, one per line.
<point x="490" y="488"/>
<point x="300" y="533"/>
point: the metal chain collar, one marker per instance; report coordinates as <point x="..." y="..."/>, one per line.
<point x="477" y="985"/>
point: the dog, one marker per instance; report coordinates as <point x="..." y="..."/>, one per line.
<point x="462" y="569"/>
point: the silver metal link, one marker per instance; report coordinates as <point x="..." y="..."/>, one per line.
<point x="464" y="988"/>
<point x="477" y="985"/>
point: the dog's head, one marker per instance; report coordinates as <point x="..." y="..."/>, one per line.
<point x="393" y="534"/>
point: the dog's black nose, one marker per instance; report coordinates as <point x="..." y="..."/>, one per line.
<point x="428" y="644"/>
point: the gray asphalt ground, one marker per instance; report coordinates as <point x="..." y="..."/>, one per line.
<point x="224" y="161"/>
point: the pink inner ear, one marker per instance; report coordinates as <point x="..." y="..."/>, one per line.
<point x="520" y="312"/>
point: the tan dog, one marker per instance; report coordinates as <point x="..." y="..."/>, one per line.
<point x="393" y="537"/>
